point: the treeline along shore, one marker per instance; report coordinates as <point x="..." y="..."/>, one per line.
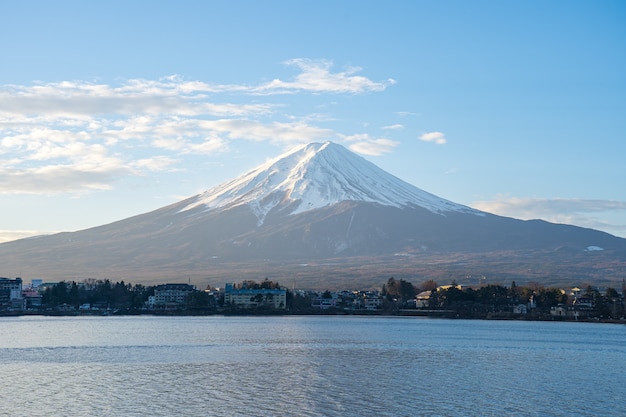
<point x="395" y="297"/>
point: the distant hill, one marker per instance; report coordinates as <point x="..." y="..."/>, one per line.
<point x="322" y="217"/>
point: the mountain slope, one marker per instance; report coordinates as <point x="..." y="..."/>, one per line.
<point x="314" y="176"/>
<point x="317" y="205"/>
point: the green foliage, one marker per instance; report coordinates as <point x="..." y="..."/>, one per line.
<point x="399" y="290"/>
<point x="265" y="284"/>
<point x="101" y="292"/>
<point x="611" y="293"/>
<point x="453" y="295"/>
<point x="199" y="299"/>
<point x="298" y="302"/>
<point x="488" y="299"/>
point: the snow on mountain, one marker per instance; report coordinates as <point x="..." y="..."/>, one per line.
<point x="314" y="176"/>
<point x="387" y="228"/>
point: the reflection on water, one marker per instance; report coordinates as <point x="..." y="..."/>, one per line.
<point x="308" y="366"/>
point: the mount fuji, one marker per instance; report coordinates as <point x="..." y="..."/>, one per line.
<point x="326" y="217"/>
<point x="316" y="176"/>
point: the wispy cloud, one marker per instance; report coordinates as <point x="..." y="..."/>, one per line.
<point x="393" y="127"/>
<point x="366" y="145"/>
<point x="434" y="137"/>
<point x="316" y="76"/>
<point x="579" y="212"/>
<point x="78" y="136"/>
<point x="407" y="113"/>
<point x="59" y="178"/>
<point x="69" y="100"/>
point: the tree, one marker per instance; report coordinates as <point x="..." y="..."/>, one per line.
<point x="550" y="297"/>
<point x="198" y="299"/>
<point x="611" y="293"/>
<point x="452" y="296"/>
<point x="72" y="295"/>
<point x="120" y="296"/>
<point x="389" y="288"/>
<point x="429" y="285"/>
<point x="269" y="285"/>
<point x="55" y="295"/>
<point x="407" y="290"/>
<point x="298" y="301"/>
<point x="514" y="292"/>
<point x="399" y="290"/>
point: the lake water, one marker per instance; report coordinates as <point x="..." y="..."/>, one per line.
<point x="309" y="366"/>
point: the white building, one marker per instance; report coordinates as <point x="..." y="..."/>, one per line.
<point x="170" y="295"/>
<point x="422" y="300"/>
<point x="372" y="301"/>
<point x="244" y="297"/>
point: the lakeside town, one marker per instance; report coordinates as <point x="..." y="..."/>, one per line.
<point x="395" y="297"/>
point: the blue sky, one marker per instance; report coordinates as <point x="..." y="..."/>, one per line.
<point x="112" y="109"/>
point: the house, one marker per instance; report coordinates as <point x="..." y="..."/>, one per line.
<point x="372" y="301"/>
<point x="558" y="311"/>
<point x="324" y="303"/>
<point x="520" y="309"/>
<point x="65" y="307"/>
<point x="584" y="302"/>
<point x="422" y="300"/>
<point x="244" y="297"/>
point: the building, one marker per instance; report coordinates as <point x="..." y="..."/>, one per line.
<point x="11" y="293"/>
<point x="32" y="298"/>
<point x="170" y="296"/>
<point x="372" y="301"/>
<point x="245" y="297"/>
<point x="324" y="303"/>
<point x="520" y="309"/>
<point x="422" y="300"/>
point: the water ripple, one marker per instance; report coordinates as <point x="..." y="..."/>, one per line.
<point x="311" y="367"/>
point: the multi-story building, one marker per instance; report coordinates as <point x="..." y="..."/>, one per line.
<point x="11" y="293"/>
<point x="171" y="295"/>
<point x="32" y="298"/>
<point x="244" y="297"/>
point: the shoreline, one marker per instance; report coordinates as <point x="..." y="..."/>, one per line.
<point x="443" y="314"/>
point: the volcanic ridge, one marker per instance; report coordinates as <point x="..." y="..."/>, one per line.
<point x="328" y="218"/>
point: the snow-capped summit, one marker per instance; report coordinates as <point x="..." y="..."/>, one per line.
<point x="314" y="176"/>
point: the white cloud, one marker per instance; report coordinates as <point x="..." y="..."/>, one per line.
<point x="605" y="215"/>
<point x="157" y="163"/>
<point x="435" y="137"/>
<point x="84" y="136"/>
<point x="393" y="127"/>
<point x="55" y="179"/>
<point x="366" y="145"/>
<point x="276" y="132"/>
<point x="80" y="98"/>
<point x="316" y="77"/>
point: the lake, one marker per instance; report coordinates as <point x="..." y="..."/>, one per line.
<point x="309" y="366"/>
